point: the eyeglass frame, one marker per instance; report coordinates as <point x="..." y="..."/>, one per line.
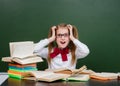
<point x="64" y="35"/>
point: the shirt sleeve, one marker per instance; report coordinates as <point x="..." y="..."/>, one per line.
<point x="41" y="49"/>
<point x="81" y="49"/>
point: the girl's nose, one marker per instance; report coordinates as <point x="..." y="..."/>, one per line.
<point x="62" y="37"/>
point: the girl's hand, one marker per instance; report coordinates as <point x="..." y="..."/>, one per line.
<point x="70" y="27"/>
<point x="52" y="38"/>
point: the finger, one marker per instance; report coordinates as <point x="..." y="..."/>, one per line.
<point x="53" y="30"/>
<point x="53" y="27"/>
<point x="69" y="26"/>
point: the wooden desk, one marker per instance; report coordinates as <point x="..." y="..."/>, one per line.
<point x="92" y="82"/>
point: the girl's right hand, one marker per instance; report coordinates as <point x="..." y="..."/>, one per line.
<point x="52" y="38"/>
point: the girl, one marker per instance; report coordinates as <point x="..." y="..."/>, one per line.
<point x="63" y="49"/>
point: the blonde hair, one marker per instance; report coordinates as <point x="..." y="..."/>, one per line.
<point x="71" y="45"/>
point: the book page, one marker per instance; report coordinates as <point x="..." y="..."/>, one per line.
<point x="40" y="74"/>
<point x="11" y="45"/>
<point x="7" y="59"/>
<point x="68" y="71"/>
<point x="22" y="49"/>
<point x="56" y="70"/>
<point x="53" y="77"/>
<point x="79" y="77"/>
<point x="88" y="71"/>
<point x="61" y="70"/>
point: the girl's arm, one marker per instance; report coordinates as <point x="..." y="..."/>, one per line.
<point x="81" y="49"/>
<point x="40" y="48"/>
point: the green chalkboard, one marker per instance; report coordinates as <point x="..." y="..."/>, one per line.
<point x="98" y="23"/>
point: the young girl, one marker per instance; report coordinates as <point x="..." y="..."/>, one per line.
<point x="63" y="49"/>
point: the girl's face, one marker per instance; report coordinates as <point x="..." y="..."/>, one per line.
<point x="62" y="37"/>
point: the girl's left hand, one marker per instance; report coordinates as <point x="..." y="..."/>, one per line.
<point x="52" y="38"/>
<point x="70" y="27"/>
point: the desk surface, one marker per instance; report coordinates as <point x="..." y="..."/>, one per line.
<point x="92" y="82"/>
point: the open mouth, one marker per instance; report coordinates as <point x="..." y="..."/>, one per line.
<point x="62" y="42"/>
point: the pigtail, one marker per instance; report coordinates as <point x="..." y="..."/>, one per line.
<point x="50" y="47"/>
<point x="72" y="45"/>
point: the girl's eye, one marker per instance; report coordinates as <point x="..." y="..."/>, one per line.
<point x="60" y="35"/>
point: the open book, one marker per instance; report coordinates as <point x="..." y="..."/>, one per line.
<point x="101" y="75"/>
<point x="104" y="76"/>
<point x="46" y="76"/>
<point x="50" y="75"/>
<point x="28" y="60"/>
<point x="68" y="71"/>
<point x="22" y="53"/>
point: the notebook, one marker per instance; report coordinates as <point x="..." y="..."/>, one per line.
<point x="3" y="77"/>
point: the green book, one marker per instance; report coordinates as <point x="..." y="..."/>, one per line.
<point x="78" y="77"/>
<point x="15" y="76"/>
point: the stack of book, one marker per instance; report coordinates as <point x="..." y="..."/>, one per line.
<point x="22" y="59"/>
<point x="17" y="70"/>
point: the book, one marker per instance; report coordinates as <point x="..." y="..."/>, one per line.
<point x="22" y="53"/>
<point x="3" y="77"/>
<point x="75" y="74"/>
<point x="16" y="70"/>
<point x="68" y="71"/>
<point x="27" y="60"/>
<point x="104" y="76"/>
<point x="100" y="75"/>
<point x="78" y="77"/>
<point x="15" y="74"/>
<point x="51" y="75"/>
<point x="22" y="66"/>
<point x="46" y="76"/>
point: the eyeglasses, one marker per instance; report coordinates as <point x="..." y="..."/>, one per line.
<point x="60" y="35"/>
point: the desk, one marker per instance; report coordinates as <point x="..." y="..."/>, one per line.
<point x="91" y="82"/>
